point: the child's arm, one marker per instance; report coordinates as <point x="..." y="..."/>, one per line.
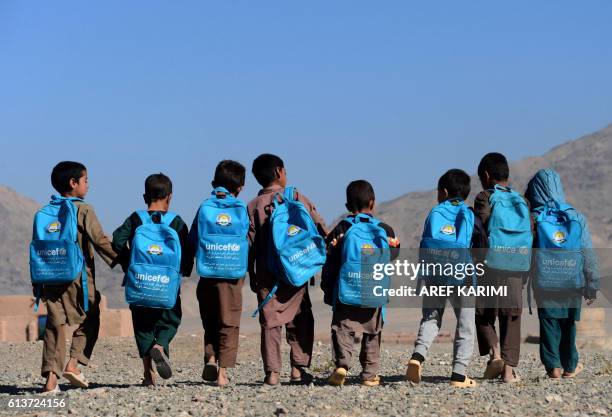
<point x="314" y="214"/>
<point x="186" y="247"/>
<point x="121" y="238"/>
<point x="331" y="268"/>
<point x="591" y="267"/>
<point x="482" y="208"/>
<point x="102" y="244"/>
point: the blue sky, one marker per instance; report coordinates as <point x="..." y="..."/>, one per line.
<point x="395" y="92"/>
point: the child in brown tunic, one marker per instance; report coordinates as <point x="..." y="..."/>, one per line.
<point x="504" y="350"/>
<point x="290" y="306"/>
<point x="220" y="299"/>
<point x="347" y="319"/>
<point x="65" y="302"/>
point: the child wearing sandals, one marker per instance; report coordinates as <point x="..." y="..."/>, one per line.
<point x="154" y="328"/>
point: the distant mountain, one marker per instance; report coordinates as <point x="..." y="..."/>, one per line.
<point x="585" y="166"/>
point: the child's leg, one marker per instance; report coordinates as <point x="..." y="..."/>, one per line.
<point x="463" y="345"/>
<point x="485" y="332"/>
<point x="300" y="336"/>
<point x="342" y="340"/>
<point x="54" y="344"/>
<point x="230" y="302"/>
<point x="550" y="339"/>
<point x="568" y="352"/>
<point x="271" y="348"/>
<point x="167" y="325"/>
<point x="428" y="330"/>
<point x="143" y="321"/>
<point x="510" y="339"/>
<point x="208" y="301"/>
<point x="84" y="338"/>
<point x="369" y="357"/>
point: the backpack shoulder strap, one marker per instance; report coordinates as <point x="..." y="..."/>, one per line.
<point x="168" y="218"/>
<point x="289" y="193"/>
<point x="145" y="218"/>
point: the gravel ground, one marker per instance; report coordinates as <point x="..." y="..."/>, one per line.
<point x="115" y="375"/>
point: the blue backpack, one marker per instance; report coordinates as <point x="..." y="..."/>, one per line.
<point x="364" y="244"/>
<point x="298" y="250"/>
<point x="447" y="238"/>
<point x="509" y="228"/>
<point x="153" y="278"/>
<point x="559" y="258"/>
<point x="223" y="226"/>
<point x="55" y="255"/>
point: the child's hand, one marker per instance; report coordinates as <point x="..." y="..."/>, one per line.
<point x="336" y="240"/>
<point x="394" y="242"/>
<point x="590" y="301"/>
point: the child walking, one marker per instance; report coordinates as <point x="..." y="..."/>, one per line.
<point x="219" y="235"/>
<point x="75" y="303"/>
<point x="559" y="303"/>
<point x="154" y="328"/>
<point x="349" y="319"/>
<point x="290" y="307"/>
<point x="443" y="225"/>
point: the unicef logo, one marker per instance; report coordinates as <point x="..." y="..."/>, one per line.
<point x="368" y="249"/>
<point x="559" y="237"/>
<point x="293" y="230"/>
<point x="164" y="279"/>
<point x="234" y="247"/>
<point x="448" y="229"/>
<point x="224" y="219"/>
<point x="524" y="250"/>
<point x="155" y="250"/>
<point x="54" y="227"/>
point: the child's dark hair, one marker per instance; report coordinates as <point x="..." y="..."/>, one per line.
<point x="456" y="182"/>
<point x="496" y="165"/>
<point x="264" y="168"/>
<point x="157" y="186"/>
<point x="64" y="172"/>
<point x="229" y="175"/>
<point x="358" y="195"/>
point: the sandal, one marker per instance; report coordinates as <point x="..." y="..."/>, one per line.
<point x="515" y="378"/>
<point x="466" y="383"/>
<point x="162" y="363"/>
<point x="579" y="368"/>
<point x="210" y="372"/>
<point x="494" y="369"/>
<point x="414" y="371"/>
<point x="76" y="380"/>
<point x="337" y="377"/>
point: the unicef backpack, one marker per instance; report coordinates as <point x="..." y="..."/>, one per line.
<point x="55" y="255"/>
<point x="223" y="225"/>
<point x="559" y="258"/>
<point x="153" y="277"/>
<point x="298" y="251"/>
<point x="509" y="229"/>
<point x="364" y="244"/>
<point x="447" y="238"/>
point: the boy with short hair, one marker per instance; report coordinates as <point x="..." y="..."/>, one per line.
<point x="220" y="299"/>
<point x="290" y="306"/>
<point x="350" y="319"/>
<point x="453" y="189"/>
<point x="504" y="351"/>
<point x="65" y="304"/>
<point x="154" y="328"/>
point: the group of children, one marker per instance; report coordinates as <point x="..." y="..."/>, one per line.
<point x="281" y="304"/>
